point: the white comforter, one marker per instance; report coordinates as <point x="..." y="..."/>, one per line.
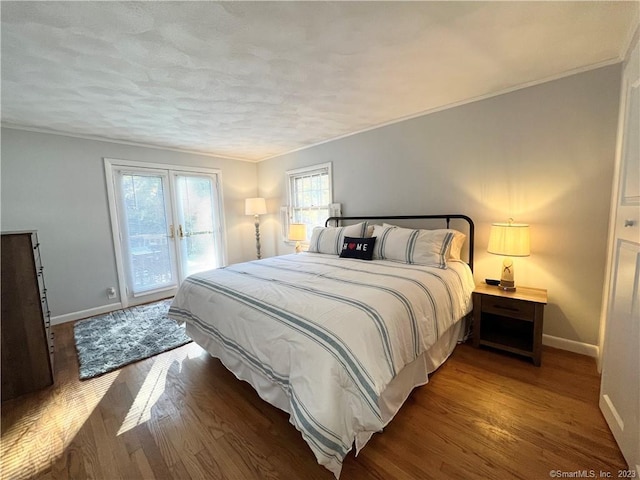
<point x="331" y="332"/>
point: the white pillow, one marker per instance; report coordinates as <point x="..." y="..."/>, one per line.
<point x="420" y="247"/>
<point x="369" y="232"/>
<point x="329" y="239"/>
<point x="455" y="250"/>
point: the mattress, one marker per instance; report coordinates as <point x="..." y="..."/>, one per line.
<point x="337" y="343"/>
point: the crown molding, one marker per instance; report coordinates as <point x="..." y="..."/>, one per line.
<point x="568" y="73"/>
<point x="98" y="138"/>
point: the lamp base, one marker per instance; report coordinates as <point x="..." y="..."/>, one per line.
<point x="507" y="288"/>
<point x="507" y="280"/>
<point x="257" y="225"/>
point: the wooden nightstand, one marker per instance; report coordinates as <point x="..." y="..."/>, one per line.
<point x="509" y="321"/>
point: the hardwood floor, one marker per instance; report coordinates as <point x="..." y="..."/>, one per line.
<point x="182" y="415"/>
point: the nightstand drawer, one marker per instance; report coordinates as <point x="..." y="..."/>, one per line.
<point x="508" y="307"/>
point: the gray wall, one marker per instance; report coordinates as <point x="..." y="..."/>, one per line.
<point x="543" y="155"/>
<point x="56" y="184"/>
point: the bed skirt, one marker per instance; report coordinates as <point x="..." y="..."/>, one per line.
<point x="411" y="376"/>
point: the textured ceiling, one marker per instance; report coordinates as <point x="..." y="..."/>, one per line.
<point x="251" y="80"/>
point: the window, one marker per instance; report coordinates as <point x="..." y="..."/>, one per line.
<point x="310" y="196"/>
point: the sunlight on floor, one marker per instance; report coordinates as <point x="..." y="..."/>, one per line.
<point x="29" y="445"/>
<point x="153" y="387"/>
<point x="39" y="431"/>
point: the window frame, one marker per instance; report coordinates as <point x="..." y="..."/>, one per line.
<point x="288" y="211"/>
<point x="112" y="167"/>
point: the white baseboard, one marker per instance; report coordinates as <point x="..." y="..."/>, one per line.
<point x="571" y="345"/>
<point x="70" y="317"/>
<point x="555" y="342"/>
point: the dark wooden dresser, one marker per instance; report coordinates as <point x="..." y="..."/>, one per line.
<point x="27" y="342"/>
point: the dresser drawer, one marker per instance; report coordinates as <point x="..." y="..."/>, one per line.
<point x="508" y="307"/>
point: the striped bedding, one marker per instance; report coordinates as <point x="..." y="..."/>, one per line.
<point x="331" y="332"/>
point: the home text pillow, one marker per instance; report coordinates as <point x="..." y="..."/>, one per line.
<point x="421" y="247"/>
<point x="360" y="248"/>
<point x="329" y="239"/>
<point x="455" y="250"/>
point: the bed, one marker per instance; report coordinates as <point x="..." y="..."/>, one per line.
<point x="336" y="340"/>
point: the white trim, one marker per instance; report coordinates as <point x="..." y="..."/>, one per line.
<point x="112" y="307"/>
<point x="98" y="138"/>
<point x="310" y="168"/>
<point x="614" y="412"/>
<point x="335" y="209"/>
<point x="615" y="198"/>
<point x="144" y="293"/>
<point x="215" y="175"/>
<point x="613" y="209"/>
<point x="284" y="225"/>
<point x="571" y="345"/>
<point x="625" y="54"/>
<point x="111" y="165"/>
<point x="115" y="231"/>
<point x="91" y="312"/>
<point x="301" y="172"/>
<point x="161" y="166"/>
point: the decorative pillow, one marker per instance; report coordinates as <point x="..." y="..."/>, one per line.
<point x="457" y="243"/>
<point x="421" y="247"/>
<point x="369" y="232"/>
<point x="455" y="251"/>
<point x="361" y="248"/>
<point x="329" y="239"/>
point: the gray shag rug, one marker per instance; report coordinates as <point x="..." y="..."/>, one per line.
<point x="108" y="342"/>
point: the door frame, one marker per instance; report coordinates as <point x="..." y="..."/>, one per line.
<point x="176" y="210"/>
<point x="123" y="230"/>
<point x="616" y="192"/>
<point x="616" y="237"/>
<point x="110" y="165"/>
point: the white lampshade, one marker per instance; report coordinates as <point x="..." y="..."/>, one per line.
<point x="510" y="239"/>
<point x="255" y="206"/>
<point x="297" y="232"/>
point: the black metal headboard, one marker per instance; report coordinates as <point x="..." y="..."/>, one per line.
<point x="470" y="237"/>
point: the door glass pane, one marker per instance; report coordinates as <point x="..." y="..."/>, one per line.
<point x="200" y="247"/>
<point x="146" y="228"/>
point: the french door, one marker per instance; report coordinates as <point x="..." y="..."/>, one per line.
<point x="167" y="225"/>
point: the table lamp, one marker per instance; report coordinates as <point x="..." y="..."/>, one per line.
<point x="256" y="207"/>
<point x="297" y="233"/>
<point x="510" y="240"/>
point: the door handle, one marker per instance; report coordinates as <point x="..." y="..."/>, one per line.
<point x="629" y="223"/>
<point x="180" y="232"/>
<point x="172" y="233"/>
